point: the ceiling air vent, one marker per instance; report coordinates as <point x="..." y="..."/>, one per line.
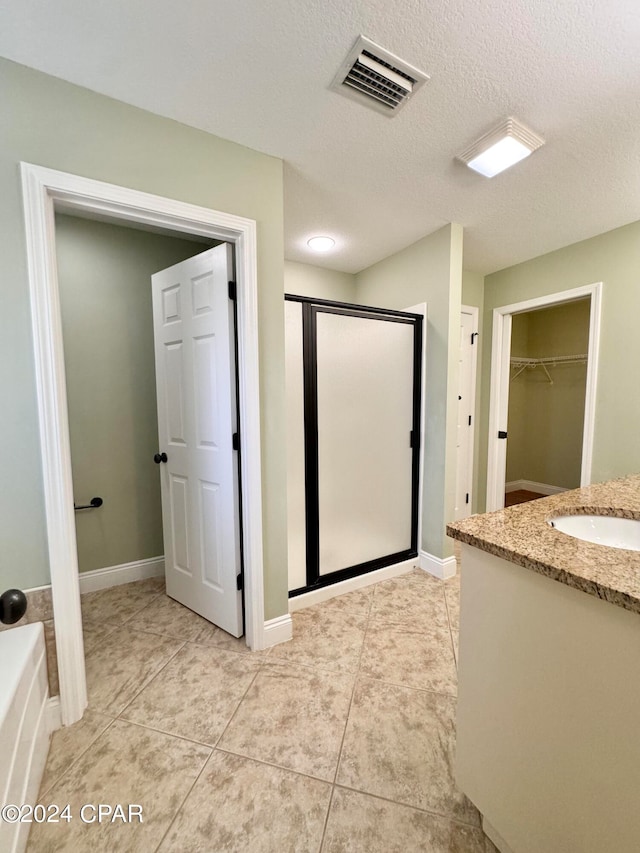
<point x="377" y="78"/>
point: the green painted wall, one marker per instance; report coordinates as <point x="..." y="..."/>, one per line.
<point x="614" y="259"/>
<point x="52" y="123"/>
<point x="546" y="420"/>
<point x="309" y="280"/>
<point x="473" y="295"/>
<point x="429" y="271"/>
<point x="104" y="273"/>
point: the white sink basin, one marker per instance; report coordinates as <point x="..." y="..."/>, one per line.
<point x="601" y="529"/>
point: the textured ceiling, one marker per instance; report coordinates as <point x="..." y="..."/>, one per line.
<point x="258" y="73"/>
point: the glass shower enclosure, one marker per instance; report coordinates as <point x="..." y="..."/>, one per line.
<point x="353" y="417"/>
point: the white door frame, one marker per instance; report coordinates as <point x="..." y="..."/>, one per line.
<point x="43" y="189"/>
<point x="500" y="372"/>
<point x="474" y="312"/>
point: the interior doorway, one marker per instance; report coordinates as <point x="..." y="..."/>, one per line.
<point x="46" y="191"/>
<point x="546" y="400"/>
<point x="154" y="471"/>
<point x="546" y="338"/>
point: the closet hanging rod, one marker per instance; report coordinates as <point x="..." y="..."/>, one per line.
<point x="522" y="363"/>
<point x="550" y="359"/>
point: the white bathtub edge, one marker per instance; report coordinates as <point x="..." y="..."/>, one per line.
<point x="25" y="730"/>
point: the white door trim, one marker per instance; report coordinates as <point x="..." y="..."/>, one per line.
<point x="474" y="312"/>
<point x="43" y="188"/>
<point x="499" y="395"/>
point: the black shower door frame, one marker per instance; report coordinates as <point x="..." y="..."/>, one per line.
<point x="310" y="310"/>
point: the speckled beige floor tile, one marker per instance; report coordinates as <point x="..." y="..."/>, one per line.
<point x="415" y="599"/>
<point x="122" y="665"/>
<point x="155" y="584"/>
<point x="359" y="823"/>
<point x="195" y="695"/>
<point x="402" y="655"/>
<point x="455" y="639"/>
<point x="118" y="603"/>
<point x="68" y="744"/>
<point x="452" y="596"/>
<point x="399" y="744"/>
<point x="326" y="638"/>
<point x="126" y="764"/>
<point x="94" y="633"/>
<point x="292" y="716"/>
<point x="241" y="806"/>
<point x="52" y="657"/>
<point x="169" y="618"/>
<point x="358" y="602"/>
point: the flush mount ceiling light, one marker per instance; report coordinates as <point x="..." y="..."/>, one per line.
<point x="321" y="244"/>
<point x="502" y="147"/>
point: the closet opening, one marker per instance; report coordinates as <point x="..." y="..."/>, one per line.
<point x="542" y="406"/>
<point x="547" y="392"/>
<point x="354" y="422"/>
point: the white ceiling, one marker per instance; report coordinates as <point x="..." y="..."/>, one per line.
<point x="258" y="71"/>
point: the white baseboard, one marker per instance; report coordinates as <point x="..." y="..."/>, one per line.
<point x="277" y="630"/>
<point x="54" y="716"/>
<point x="439" y="568"/>
<point x="126" y="573"/>
<point x="317" y="596"/>
<point x="531" y="486"/>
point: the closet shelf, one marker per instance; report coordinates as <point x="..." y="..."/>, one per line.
<point x="521" y="363"/>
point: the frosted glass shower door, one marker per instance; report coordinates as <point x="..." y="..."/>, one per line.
<point x="367" y="367"/>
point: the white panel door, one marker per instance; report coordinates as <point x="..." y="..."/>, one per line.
<point x="465" y="426"/>
<point x="197" y="417"/>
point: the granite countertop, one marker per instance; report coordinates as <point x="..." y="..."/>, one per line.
<point x="521" y="535"/>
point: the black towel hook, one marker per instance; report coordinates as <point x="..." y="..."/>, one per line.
<point x="94" y="503"/>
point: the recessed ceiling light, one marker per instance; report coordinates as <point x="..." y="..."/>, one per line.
<point x="321" y="244"/>
<point x="502" y="147"/>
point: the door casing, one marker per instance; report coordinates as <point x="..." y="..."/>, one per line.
<point x="472" y="367"/>
<point x="500" y="372"/>
<point x="43" y="191"/>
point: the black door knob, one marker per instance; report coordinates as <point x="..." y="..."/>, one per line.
<point x="13" y="606"/>
<point x="160" y="457"/>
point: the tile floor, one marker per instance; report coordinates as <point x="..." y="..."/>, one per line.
<point x="339" y="741"/>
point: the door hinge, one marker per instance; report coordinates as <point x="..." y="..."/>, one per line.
<point x="235" y="441"/>
<point x="469" y="420"/>
<point x="502" y="433"/>
<point x="232" y="290"/>
<point x="240" y="582"/>
<point x="414" y="439"/>
<point x="474" y="335"/>
<point x="466" y="500"/>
